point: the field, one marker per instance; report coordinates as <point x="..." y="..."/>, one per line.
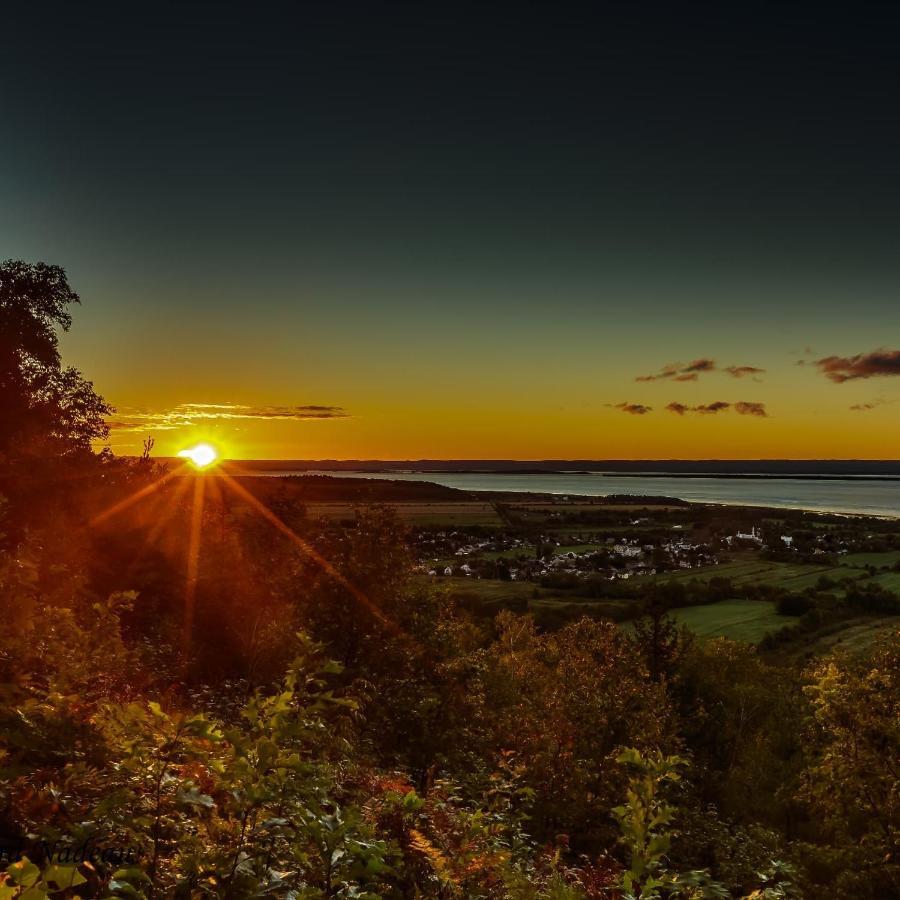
<point x="854" y="636"/>
<point x="888" y="580"/>
<point x="878" y="560"/>
<point x="737" y="618"/>
<point x="740" y="620"/>
<point x="438" y="514"/>
<point x="752" y="570"/>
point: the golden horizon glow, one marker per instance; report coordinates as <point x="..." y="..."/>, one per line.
<point x="201" y="456"/>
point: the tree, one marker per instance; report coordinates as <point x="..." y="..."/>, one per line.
<point x="853" y="782"/>
<point x="657" y="635"/>
<point x="45" y="409"/>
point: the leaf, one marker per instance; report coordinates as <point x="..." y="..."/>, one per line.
<point x="24" y="872"/>
<point x="131" y="873"/>
<point x="64" y="876"/>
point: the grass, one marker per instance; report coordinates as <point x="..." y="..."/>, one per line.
<point x="740" y="620"/>
<point x="576" y="548"/>
<point x="853" y="635"/>
<point x="888" y="580"/>
<point x="879" y="560"/>
<point x="746" y="571"/>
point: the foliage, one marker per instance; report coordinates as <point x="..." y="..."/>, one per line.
<point x="852" y="780"/>
<point x="46" y="409"/>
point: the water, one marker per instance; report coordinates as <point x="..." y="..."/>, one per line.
<point x="874" y="497"/>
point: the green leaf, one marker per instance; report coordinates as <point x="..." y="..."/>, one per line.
<point x="24" y="872"/>
<point x="64" y="876"/>
<point x="131" y="873"/>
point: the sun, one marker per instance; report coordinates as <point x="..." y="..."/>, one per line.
<point x="202" y="456"/>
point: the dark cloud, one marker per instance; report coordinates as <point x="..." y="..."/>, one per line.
<point x="743" y="408"/>
<point x="700" y="365"/>
<point x="865" y="407"/>
<point x="186" y="414"/>
<point x="693" y="370"/>
<point x="634" y="409"/>
<point x="864" y="365"/>
<point x="680" y="372"/>
<point x="742" y="371"/>
<point x="710" y="409"/>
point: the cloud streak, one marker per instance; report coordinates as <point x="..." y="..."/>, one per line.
<point x="693" y="370"/>
<point x="742" y="408"/>
<point x="748" y="408"/>
<point x="743" y="371"/>
<point x="878" y="363"/>
<point x="681" y="372"/>
<point x="187" y="414"/>
<point x="634" y="409"/>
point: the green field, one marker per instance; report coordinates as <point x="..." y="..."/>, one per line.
<point x="576" y="548"/>
<point x="879" y="560"/>
<point x="888" y="580"/>
<point x="854" y="636"/>
<point x="758" y="571"/>
<point x="740" y="620"/>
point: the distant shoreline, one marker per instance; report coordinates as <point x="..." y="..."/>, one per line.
<point x="823" y="469"/>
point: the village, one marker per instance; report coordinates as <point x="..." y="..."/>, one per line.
<point x="511" y="555"/>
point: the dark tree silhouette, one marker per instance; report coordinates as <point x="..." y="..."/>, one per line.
<point x="45" y="409"/>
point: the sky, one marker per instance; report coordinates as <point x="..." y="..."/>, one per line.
<point x="339" y="231"/>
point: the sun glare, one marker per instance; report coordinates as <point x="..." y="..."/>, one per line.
<point x="202" y="456"/>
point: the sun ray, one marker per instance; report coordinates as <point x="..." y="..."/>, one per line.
<point x="171" y="507"/>
<point x="311" y="551"/>
<point x="193" y="566"/>
<point x="138" y="495"/>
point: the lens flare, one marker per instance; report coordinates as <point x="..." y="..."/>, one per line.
<point x="202" y="455"/>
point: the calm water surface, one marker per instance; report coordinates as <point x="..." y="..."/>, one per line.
<point x="879" y="497"/>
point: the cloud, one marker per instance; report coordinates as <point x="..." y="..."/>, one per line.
<point x="742" y="371"/>
<point x="878" y="363"/>
<point x="704" y="409"/>
<point x="710" y="409"/>
<point x="700" y="365"/>
<point x="742" y="408"/>
<point x="865" y="407"/>
<point x="634" y="409"/>
<point x="187" y="414"/>
<point x="693" y="370"/>
<point x="680" y="372"/>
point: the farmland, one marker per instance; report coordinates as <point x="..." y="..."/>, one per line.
<point x="561" y="559"/>
<point x="441" y="514"/>
<point x="740" y="620"/>
<point x="749" y="569"/>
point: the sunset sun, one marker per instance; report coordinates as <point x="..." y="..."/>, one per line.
<point x="202" y="456"/>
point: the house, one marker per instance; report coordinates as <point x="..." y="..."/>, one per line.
<point x="753" y="536"/>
